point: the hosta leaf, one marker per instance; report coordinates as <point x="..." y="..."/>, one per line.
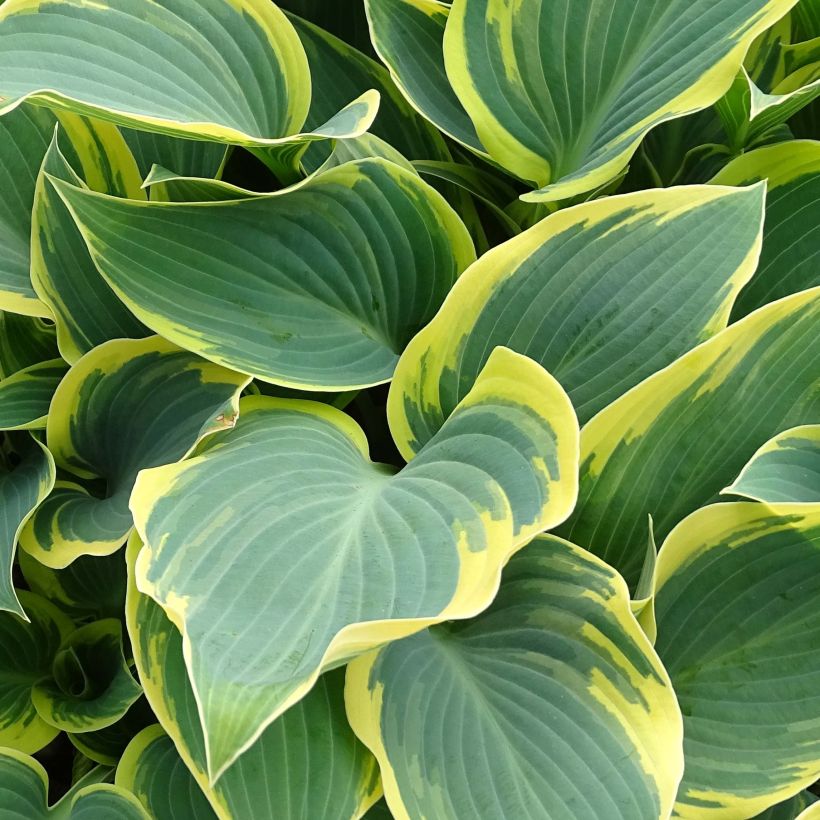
<point x="673" y="442"/>
<point x="408" y="36"/>
<point x="345" y="19"/>
<point x="85" y="309"/>
<point x="785" y="470"/>
<point x="306" y="764"/>
<point x="22" y="488"/>
<point x="26" y="653"/>
<point x="100" y="154"/>
<point x="152" y="769"/>
<point x="806" y="19"/>
<point x="749" y="113"/>
<point x="492" y="191"/>
<point x="191" y="158"/>
<point x="24" y="137"/>
<point x="764" y="61"/>
<point x="224" y="70"/>
<point x="790" y="259"/>
<point x="168" y="186"/>
<point x="319" y="286"/>
<point x="602" y="295"/>
<point x="643" y="601"/>
<point x="24" y="341"/>
<point x="561" y="93"/>
<point x="341" y="73"/>
<point x="549" y="704"/>
<point x="126" y="405"/>
<point x="90" y="685"/>
<point x="90" y="588"/>
<point x="24" y="795"/>
<point x="737" y="630"/>
<point x="293" y="485"/>
<point x="25" y="396"/>
<point x="106" y="745"/>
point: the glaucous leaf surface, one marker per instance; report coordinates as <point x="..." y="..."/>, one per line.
<point x="225" y="70"/>
<point x="790" y="258"/>
<point x="785" y="470"/>
<point x="307" y="763"/>
<point x="293" y="498"/>
<point x="672" y="443"/>
<point x="319" y="286"/>
<point x="551" y="703"/>
<point x="737" y="626"/>
<point x="602" y="295"/>
<point x="85" y="309"/>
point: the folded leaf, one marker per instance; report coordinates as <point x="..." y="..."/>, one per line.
<point x="737" y="624"/>
<point x="126" y="405"/>
<point x="90" y="685"/>
<point x="288" y="509"/>
<point x="152" y="770"/>
<point x="561" y="93"/>
<point x="24" y="341"/>
<point x="85" y="309"/>
<point x="749" y="114"/>
<point x="785" y="470"/>
<point x="408" y="36"/>
<point x="27" y="650"/>
<point x="672" y="443"/>
<point x="307" y="763"/>
<point x="24" y="138"/>
<point x="340" y="73"/>
<point x="602" y="295"/>
<point x="223" y="70"/>
<point x="549" y="704"/>
<point x="22" y="488"/>
<point x="319" y="286"/>
<point x="191" y="158"/>
<point x="24" y="795"/>
<point x="107" y="745"/>
<point x="25" y="396"/>
<point x="790" y="259"/>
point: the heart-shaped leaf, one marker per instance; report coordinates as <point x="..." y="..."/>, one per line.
<point x="307" y="763"/>
<point x="292" y="497"/>
<point x="549" y="704"/>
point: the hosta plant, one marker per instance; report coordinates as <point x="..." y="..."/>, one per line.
<point x="409" y="409"/>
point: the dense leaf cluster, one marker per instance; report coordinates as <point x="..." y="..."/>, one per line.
<point x="409" y="409"/>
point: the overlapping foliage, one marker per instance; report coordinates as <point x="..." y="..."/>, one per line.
<point x="409" y="409"/>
